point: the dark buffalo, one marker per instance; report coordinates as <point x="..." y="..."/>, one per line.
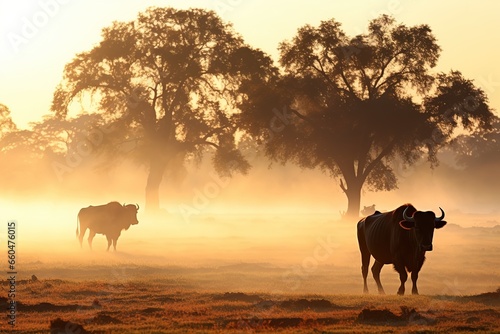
<point x="400" y="237"/>
<point x="109" y="219"/>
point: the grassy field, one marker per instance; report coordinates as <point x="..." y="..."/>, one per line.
<point x="171" y="306"/>
<point x="203" y="279"/>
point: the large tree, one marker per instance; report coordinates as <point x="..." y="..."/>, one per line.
<point x="350" y="105"/>
<point x="169" y="82"/>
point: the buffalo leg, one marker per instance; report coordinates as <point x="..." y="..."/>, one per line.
<point x="365" y="260"/>
<point x="365" y="257"/>
<point x="114" y="244"/>
<point x="82" y="234"/>
<point x="403" y="276"/>
<point x="376" y="268"/>
<point x="414" y="278"/>
<point x="109" y="242"/>
<point x="91" y="237"/>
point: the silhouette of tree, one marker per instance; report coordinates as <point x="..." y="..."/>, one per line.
<point x="6" y="123"/>
<point x="35" y="158"/>
<point x="479" y="149"/>
<point x="19" y="152"/>
<point x="68" y="142"/>
<point x="12" y="139"/>
<point x="169" y="81"/>
<point x="354" y="104"/>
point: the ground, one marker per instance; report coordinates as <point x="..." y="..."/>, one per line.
<point x="300" y="278"/>
<point x="175" y="306"/>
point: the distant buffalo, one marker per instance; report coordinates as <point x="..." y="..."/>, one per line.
<point x="400" y="237"/>
<point x="109" y="219"/>
<point x="368" y="210"/>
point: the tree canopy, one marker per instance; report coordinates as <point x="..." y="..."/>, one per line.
<point x="355" y="103"/>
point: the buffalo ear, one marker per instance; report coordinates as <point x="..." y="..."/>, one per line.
<point x="406" y="224"/>
<point x="439" y="224"/>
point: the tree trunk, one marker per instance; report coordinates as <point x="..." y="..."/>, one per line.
<point x="353" y="202"/>
<point x="353" y="193"/>
<point x="156" y="169"/>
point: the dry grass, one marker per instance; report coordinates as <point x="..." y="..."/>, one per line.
<point x="255" y="284"/>
<point x="156" y="306"/>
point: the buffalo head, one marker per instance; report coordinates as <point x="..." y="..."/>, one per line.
<point x="423" y="224"/>
<point x="131" y="214"/>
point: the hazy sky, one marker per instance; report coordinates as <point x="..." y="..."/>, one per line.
<point x="38" y="37"/>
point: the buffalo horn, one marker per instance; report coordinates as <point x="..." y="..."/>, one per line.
<point x="442" y="215"/>
<point x="409" y="219"/>
<point x="137" y="205"/>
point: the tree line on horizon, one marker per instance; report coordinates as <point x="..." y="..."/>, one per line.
<point x="175" y="86"/>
